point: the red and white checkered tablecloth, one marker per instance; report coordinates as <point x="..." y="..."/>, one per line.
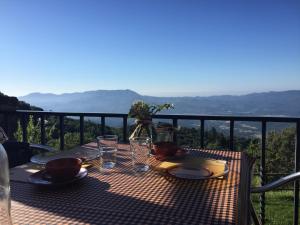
<point x="123" y="198"/>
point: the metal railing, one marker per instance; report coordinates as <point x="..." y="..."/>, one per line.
<point x="24" y="114"/>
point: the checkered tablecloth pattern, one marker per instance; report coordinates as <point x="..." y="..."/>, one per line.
<point x="123" y="198"/>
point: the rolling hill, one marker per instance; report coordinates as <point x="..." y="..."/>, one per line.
<point x="285" y="103"/>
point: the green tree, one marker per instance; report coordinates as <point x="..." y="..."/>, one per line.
<point x="33" y="134"/>
<point x="280" y="151"/>
<point x="18" y="135"/>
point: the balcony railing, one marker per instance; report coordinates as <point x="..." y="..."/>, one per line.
<point x="24" y="114"/>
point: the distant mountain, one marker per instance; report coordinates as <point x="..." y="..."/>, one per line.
<point x="116" y="101"/>
<point x="9" y="103"/>
<point x="285" y="103"/>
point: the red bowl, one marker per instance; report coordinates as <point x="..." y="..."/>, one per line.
<point x="165" y="148"/>
<point x="63" y="168"/>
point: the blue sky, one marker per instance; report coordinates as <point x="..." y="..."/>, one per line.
<point x="154" y="47"/>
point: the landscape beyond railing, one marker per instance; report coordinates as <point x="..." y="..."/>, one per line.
<point x="24" y="114"/>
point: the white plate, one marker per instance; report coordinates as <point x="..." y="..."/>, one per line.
<point x="195" y="174"/>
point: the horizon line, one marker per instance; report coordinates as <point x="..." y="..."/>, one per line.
<point x="168" y="94"/>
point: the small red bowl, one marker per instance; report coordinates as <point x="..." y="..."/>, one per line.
<point x="165" y="148"/>
<point x="63" y="168"/>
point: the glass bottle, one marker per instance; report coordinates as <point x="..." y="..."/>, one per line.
<point x="5" y="217"/>
<point x="164" y="133"/>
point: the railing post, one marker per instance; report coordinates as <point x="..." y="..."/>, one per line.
<point x="102" y="125"/>
<point x="202" y="134"/>
<point x="262" y="197"/>
<point x="81" y="133"/>
<point x="62" y="132"/>
<point x="43" y="138"/>
<point x="125" y="129"/>
<point x="175" y="124"/>
<point x="297" y="168"/>
<point x="231" y="137"/>
<point x="24" y="127"/>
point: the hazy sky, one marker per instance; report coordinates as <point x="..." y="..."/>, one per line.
<point x="154" y="47"/>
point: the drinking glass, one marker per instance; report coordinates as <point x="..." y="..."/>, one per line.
<point x="5" y="217"/>
<point x="140" y="150"/>
<point x="108" y="147"/>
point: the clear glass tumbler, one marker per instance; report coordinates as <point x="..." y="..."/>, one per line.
<point x="140" y="149"/>
<point x="108" y="147"/>
<point x="5" y="217"/>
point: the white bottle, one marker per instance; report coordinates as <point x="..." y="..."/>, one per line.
<point x="5" y="217"/>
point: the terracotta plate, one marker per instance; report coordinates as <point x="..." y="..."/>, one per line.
<point x="180" y="154"/>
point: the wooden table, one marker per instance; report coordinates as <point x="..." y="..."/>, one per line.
<point x="123" y="198"/>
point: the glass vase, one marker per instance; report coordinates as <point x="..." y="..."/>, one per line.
<point x="143" y="128"/>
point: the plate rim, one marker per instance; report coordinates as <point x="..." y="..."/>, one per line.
<point x="36" y="161"/>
